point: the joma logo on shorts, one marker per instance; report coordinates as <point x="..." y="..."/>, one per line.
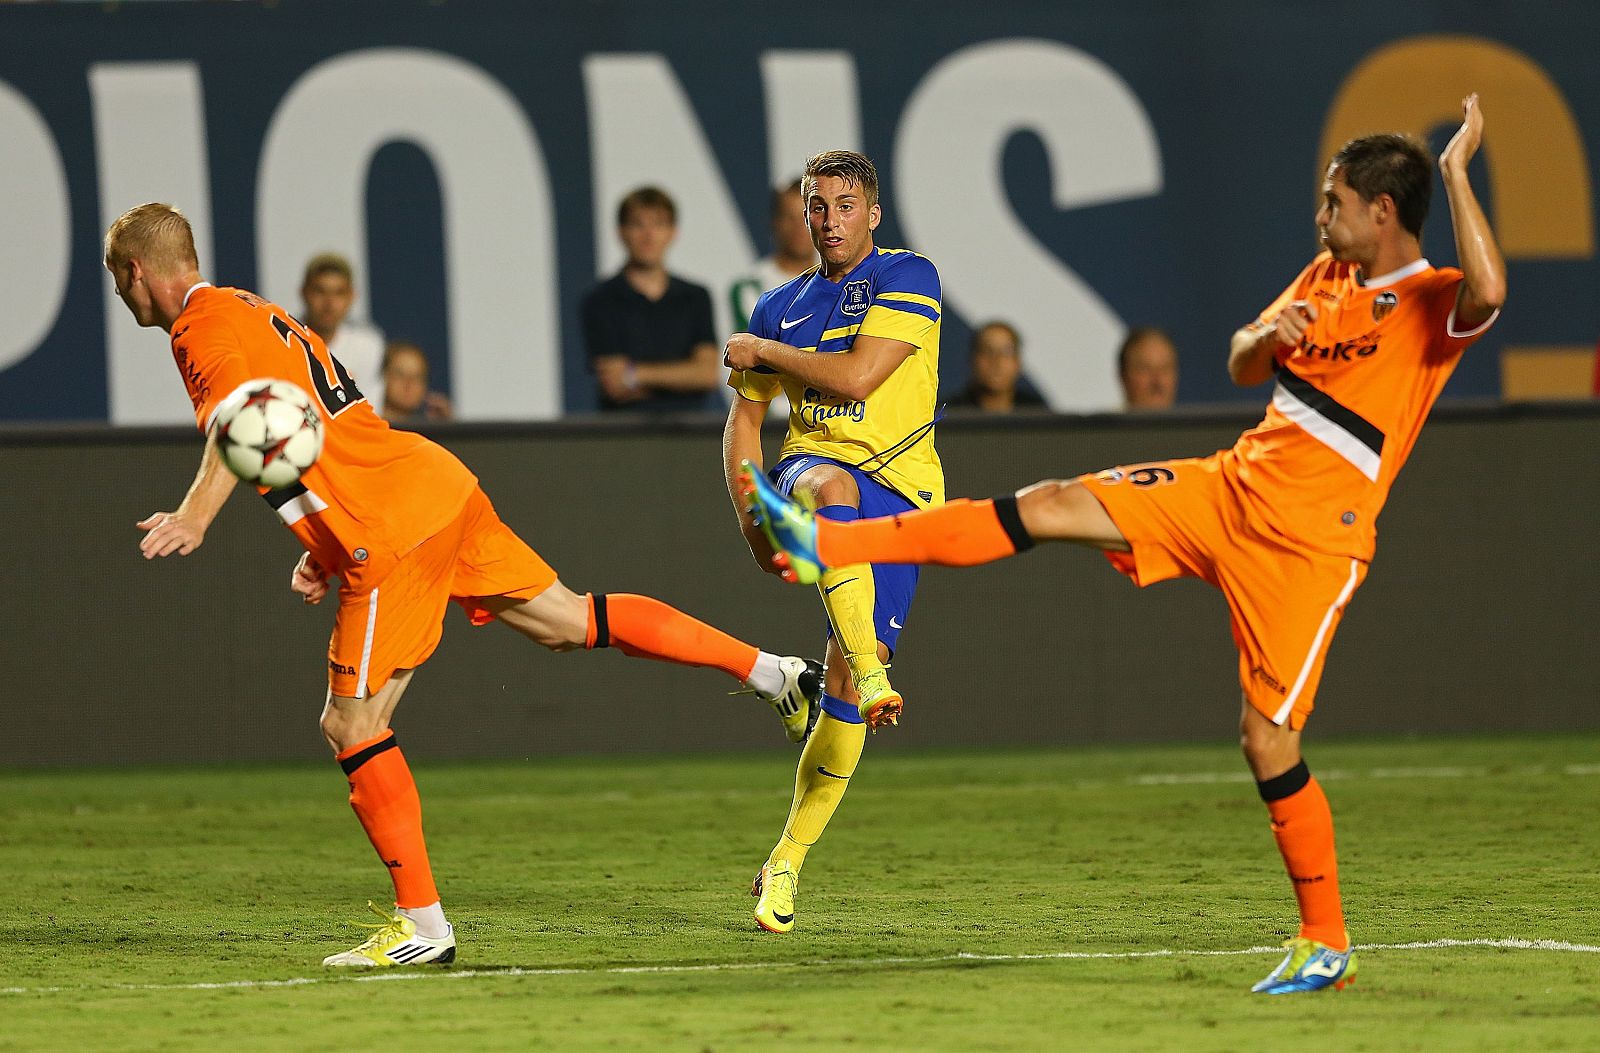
<point x="1267" y="678"/>
<point x="346" y="670"/>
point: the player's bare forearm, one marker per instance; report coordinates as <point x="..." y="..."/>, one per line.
<point x="741" y="441"/>
<point x="1250" y="355"/>
<point x="852" y="374"/>
<point x="1483" y="267"/>
<point x="1255" y="347"/>
<point x="701" y="371"/>
<point x="183" y="530"/>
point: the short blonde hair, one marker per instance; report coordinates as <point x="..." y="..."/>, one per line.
<point x="158" y="234"/>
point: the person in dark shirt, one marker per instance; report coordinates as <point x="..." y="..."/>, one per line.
<point x="995" y="384"/>
<point x="649" y="334"/>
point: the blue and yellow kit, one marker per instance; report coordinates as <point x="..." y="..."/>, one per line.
<point x="893" y="293"/>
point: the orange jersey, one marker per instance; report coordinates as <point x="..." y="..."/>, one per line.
<point x="1349" y="400"/>
<point x="375" y="493"/>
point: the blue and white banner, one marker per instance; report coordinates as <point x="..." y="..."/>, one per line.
<point x="1074" y="169"/>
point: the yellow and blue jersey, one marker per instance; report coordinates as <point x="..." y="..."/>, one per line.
<point x="893" y="293"/>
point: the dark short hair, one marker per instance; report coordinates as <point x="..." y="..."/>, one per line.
<point x="1011" y="330"/>
<point x="647" y="197"/>
<point x="328" y="263"/>
<point x="782" y="192"/>
<point x="1136" y="334"/>
<point x="1393" y="164"/>
<point x="855" y="169"/>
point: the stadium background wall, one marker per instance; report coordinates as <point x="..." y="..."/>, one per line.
<point x="1074" y="168"/>
<point x="1478" y="615"/>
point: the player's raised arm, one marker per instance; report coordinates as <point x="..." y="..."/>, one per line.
<point x="1483" y="288"/>
<point x="182" y="531"/>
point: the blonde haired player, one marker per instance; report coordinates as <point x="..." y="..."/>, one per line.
<point x="406" y="529"/>
<point x="1284" y="522"/>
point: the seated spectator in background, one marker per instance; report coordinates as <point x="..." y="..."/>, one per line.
<point x="329" y="291"/>
<point x="406" y="398"/>
<point x="649" y="335"/>
<point x="792" y="255"/>
<point x="1147" y="365"/>
<point x="994" y="383"/>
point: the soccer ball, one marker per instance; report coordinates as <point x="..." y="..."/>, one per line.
<point x="268" y="432"/>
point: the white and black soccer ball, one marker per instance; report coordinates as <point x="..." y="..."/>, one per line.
<point x="268" y="432"/>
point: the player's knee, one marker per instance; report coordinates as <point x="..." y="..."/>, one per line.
<point x="1047" y="507"/>
<point x="340" y="730"/>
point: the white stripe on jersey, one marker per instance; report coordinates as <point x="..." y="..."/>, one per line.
<point x="297" y="508"/>
<point x="1327" y="432"/>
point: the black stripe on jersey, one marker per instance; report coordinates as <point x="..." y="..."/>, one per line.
<point x="279" y="498"/>
<point x="351" y="763"/>
<point x="1363" y="430"/>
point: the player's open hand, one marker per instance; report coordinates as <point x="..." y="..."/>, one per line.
<point x="309" y="579"/>
<point x="1464" y="144"/>
<point x="1293" y="321"/>
<point x="169" y="532"/>
<point x="740" y="351"/>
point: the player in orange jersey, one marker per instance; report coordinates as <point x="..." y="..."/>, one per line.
<point x="405" y="528"/>
<point x="1283" y="522"/>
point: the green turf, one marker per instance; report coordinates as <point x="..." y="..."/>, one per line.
<point x="179" y="877"/>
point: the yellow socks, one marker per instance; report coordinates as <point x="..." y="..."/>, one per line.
<point x="826" y="765"/>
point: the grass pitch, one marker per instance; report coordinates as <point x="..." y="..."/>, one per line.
<point x="601" y="904"/>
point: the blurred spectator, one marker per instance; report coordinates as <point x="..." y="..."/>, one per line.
<point x="1147" y="365"/>
<point x="329" y="291"/>
<point x="406" y="398"/>
<point x="649" y="334"/>
<point x="792" y="254"/>
<point x="994" y="383"/>
<point x="1597" y="370"/>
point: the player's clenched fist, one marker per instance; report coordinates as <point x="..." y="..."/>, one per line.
<point x="1293" y="321"/>
<point x="741" y="351"/>
<point x="309" y="580"/>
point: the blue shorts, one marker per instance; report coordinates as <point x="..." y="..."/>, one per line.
<point x="894" y="583"/>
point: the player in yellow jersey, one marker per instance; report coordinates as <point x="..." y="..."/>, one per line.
<point x="854" y="343"/>
<point x="1283" y="523"/>
<point x="404" y="527"/>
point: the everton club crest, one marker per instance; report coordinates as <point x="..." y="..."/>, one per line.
<point x="856" y="297"/>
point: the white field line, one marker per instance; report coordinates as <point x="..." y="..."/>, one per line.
<point x="823" y="963"/>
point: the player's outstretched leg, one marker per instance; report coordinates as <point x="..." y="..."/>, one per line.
<point x="961" y="533"/>
<point x="644" y="627"/>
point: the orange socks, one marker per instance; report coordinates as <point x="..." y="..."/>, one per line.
<point x="962" y="533"/>
<point x="1303" y="827"/>
<point x="385" y="799"/>
<point x="647" y="628"/>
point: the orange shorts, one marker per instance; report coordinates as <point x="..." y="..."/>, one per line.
<point x="396" y="624"/>
<point x="1185" y="518"/>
